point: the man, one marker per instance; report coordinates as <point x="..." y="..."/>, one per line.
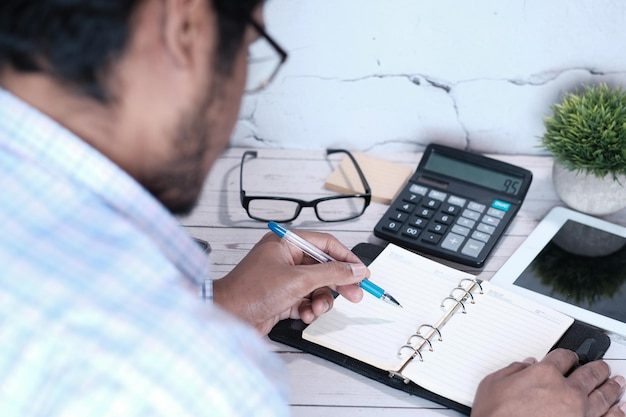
<point x="111" y="114"/>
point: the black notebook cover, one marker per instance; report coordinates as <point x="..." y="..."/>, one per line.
<point x="589" y="342"/>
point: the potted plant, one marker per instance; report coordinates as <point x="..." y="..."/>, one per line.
<point x="586" y="134"/>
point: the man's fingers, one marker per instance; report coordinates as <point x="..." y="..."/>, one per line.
<point x="353" y="293"/>
<point x="330" y="245"/>
<point x="562" y="359"/>
<point x="331" y="274"/>
<point x="321" y="301"/>
<point x="618" y="410"/>
<point x="604" y="397"/>
<point x="590" y="376"/>
<point x="514" y="368"/>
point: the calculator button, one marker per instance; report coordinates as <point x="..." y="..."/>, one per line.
<point x="418" y="222"/>
<point x="406" y="207"/>
<point x="418" y="189"/>
<point x="472" y="248"/>
<point x="491" y="221"/>
<point x="411" y="232"/>
<point x="471" y="214"/>
<point x="483" y="237"/>
<point x="451" y="209"/>
<point x="424" y="212"/>
<point x="412" y="198"/>
<point x="444" y="218"/>
<point x="501" y="205"/>
<point x="465" y="222"/>
<point x="437" y="228"/>
<point x="392" y="225"/>
<point x="399" y="216"/>
<point x="437" y="195"/>
<point x="476" y="207"/>
<point x="456" y="201"/>
<point x="482" y="227"/>
<point x="432" y="204"/>
<point x="430" y="237"/>
<point x="460" y="230"/>
<point x="452" y="242"/>
<point x="496" y="213"/>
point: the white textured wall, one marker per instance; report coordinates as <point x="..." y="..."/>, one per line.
<point x="399" y="74"/>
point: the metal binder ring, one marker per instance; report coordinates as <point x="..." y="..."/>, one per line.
<point x="473" y="281"/>
<point x="455" y="300"/>
<point x="430" y="345"/>
<point x="415" y="351"/>
<point x="466" y="293"/>
<point x="430" y="327"/>
<point x="399" y="374"/>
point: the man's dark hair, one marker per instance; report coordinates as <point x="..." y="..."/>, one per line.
<point x="76" y="41"/>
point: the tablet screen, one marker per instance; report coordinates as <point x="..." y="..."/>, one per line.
<point x="582" y="266"/>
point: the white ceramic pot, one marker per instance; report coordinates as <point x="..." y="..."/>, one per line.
<point x="588" y="193"/>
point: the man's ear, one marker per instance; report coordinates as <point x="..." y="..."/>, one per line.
<point x="182" y="24"/>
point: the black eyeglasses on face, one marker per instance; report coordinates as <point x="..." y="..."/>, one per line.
<point x="327" y="209"/>
<point x="265" y="57"/>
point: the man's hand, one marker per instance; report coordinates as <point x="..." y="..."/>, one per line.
<point x="276" y="281"/>
<point x="532" y="389"/>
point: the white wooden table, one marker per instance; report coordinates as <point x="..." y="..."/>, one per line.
<point x="320" y="388"/>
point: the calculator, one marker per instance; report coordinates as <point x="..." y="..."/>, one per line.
<point x="456" y="206"/>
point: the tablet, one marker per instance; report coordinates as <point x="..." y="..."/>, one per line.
<point x="574" y="263"/>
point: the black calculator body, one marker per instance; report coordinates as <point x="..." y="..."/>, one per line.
<point x="456" y="206"/>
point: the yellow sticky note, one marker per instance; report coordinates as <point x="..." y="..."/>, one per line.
<point x="385" y="178"/>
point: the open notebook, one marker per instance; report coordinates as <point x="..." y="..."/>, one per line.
<point x="452" y="331"/>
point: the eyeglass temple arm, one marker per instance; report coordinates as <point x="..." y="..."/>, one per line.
<point x="263" y="32"/>
<point x="242" y="193"/>
<point x="366" y="185"/>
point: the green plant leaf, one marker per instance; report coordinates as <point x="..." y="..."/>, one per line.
<point x="587" y="131"/>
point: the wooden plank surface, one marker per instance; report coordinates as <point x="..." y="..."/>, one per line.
<point x="320" y="388"/>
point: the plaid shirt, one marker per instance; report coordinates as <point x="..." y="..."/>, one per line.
<point x="99" y="314"/>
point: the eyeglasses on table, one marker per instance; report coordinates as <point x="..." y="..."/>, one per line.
<point x="284" y="209"/>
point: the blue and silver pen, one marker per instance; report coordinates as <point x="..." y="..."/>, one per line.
<point x="322" y="257"/>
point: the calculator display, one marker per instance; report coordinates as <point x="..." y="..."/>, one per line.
<point x="495" y="180"/>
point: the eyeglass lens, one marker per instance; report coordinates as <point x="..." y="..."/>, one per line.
<point x="263" y="62"/>
<point x="333" y="209"/>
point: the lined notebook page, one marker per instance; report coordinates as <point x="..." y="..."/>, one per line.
<point x="499" y="328"/>
<point x="372" y="330"/>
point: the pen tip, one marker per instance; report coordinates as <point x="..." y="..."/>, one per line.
<point x="392" y="300"/>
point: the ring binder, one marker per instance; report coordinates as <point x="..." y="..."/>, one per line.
<point x="466" y="293"/>
<point x="475" y="282"/>
<point x="430" y="345"/>
<point x="529" y="332"/>
<point x="433" y="328"/>
<point x="457" y="302"/>
<point x="415" y="349"/>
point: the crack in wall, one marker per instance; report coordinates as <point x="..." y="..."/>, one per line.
<point x="249" y="121"/>
<point x="384" y="143"/>
<point x="425" y="81"/>
<point x="459" y="120"/>
<point x="447" y="89"/>
<point x="537" y="79"/>
<point x="547" y="77"/>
